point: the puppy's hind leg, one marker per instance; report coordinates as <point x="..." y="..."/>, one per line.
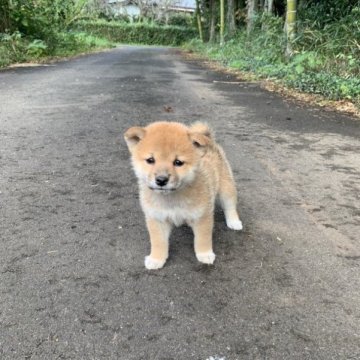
<point x="228" y="199"/>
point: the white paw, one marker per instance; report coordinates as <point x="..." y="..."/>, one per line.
<point x="234" y="224"/>
<point x="153" y="264"/>
<point x="206" y="257"/>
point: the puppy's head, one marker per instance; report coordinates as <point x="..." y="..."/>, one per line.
<point x="166" y="155"/>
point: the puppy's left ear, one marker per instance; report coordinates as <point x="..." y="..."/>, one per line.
<point x="200" y="141"/>
<point x="202" y="128"/>
<point x="134" y="135"/>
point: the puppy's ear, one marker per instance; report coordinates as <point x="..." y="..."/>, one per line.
<point x="201" y="135"/>
<point x="202" y="128"/>
<point x="200" y="140"/>
<point x="134" y="135"/>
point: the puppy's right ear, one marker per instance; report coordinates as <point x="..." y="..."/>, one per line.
<point x="134" y="135"/>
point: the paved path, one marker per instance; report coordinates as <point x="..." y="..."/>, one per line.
<point x="73" y="239"/>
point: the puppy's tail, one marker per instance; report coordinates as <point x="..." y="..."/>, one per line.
<point x="202" y="128"/>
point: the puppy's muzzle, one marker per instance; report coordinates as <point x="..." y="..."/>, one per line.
<point x="161" y="180"/>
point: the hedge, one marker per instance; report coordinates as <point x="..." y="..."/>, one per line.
<point x="138" y="33"/>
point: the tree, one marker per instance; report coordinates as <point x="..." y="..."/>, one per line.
<point x="5" y="23"/>
<point x="269" y="6"/>
<point x="222" y="23"/>
<point x="145" y="9"/>
<point x="212" y="24"/>
<point x="230" y="18"/>
<point x="163" y="9"/>
<point x="251" y="12"/>
<point x="198" y="18"/>
<point x="97" y="8"/>
<point x="290" y="26"/>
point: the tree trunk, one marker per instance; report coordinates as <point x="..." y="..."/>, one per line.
<point x="212" y="21"/>
<point x="5" y="23"/>
<point x="268" y="9"/>
<point x="290" y="26"/>
<point x="269" y="6"/>
<point x="230" y="18"/>
<point x="251" y="11"/>
<point x="198" y="17"/>
<point x="222" y="21"/>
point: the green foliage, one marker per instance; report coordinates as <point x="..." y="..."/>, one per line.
<point x="338" y="43"/>
<point x="195" y="44"/>
<point x="317" y="13"/>
<point x="181" y="20"/>
<point x="37" y="29"/>
<point x="307" y="72"/>
<point x="12" y="48"/>
<point x="328" y="85"/>
<point x="74" y="42"/>
<point x="40" y="20"/>
<point x="4" y="16"/>
<point x="44" y="18"/>
<point x="43" y="28"/>
<point x="15" y="48"/>
<point x="138" y="33"/>
<point x="36" y="48"/>
<point x="254" y="52"/>
<point x="326" y="62"/>
<point x="304" y="62"/>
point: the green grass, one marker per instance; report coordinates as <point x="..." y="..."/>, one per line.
<point x="138" y="33"/>
<point x="16" y="49"/>
<point x="87" y="36"/>
<point x="330" y="68"/>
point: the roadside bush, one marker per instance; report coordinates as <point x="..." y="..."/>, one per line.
<point x="181" y="20"/>
<point x="329" y="85"/>
<point x="15" y="48"/>
<point x="326" y="61"/>
<point x="262" y="51"/>
<point x="337" y="43"/>
<point x="12" y="48"/>
<point x="320" y="13"/>
<point x="36" y="48"/>
<point x="36" y="21"/>
<point x="73" y="42"/>
<point x="139" y="33"/>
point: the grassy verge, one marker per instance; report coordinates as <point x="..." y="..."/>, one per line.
<point x="330" y="68"/>
<point x="88" y="36"/>
<point x="139" y="33"/>
<point x="14" y="48"/>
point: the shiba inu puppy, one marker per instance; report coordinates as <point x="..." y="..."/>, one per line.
<point x="181" y="171"/>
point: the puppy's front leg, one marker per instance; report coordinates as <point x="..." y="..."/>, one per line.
<point x="159" y="237"/>
<point x="203" y="229"/>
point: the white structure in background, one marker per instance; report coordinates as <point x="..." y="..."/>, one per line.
<point x="125" y="7"/>
<point x="151" y="8"/>
<point x="184" y="6"/>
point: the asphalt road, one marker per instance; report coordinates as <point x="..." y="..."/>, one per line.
<point x="73" y="239"/>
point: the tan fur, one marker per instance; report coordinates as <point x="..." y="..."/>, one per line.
<point x="192" y="187"/>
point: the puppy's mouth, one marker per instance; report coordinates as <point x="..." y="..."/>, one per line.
<point x="162" y="190"/>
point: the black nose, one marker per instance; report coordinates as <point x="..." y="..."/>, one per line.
<point x="161" y="180"/>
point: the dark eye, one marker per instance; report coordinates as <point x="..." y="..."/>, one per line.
<point x="178" y="162"/>
<point x="150" y="160"/>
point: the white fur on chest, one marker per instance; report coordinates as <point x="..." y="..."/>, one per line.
<point x="177" y="216"/>
<point x="171" y="210"/>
